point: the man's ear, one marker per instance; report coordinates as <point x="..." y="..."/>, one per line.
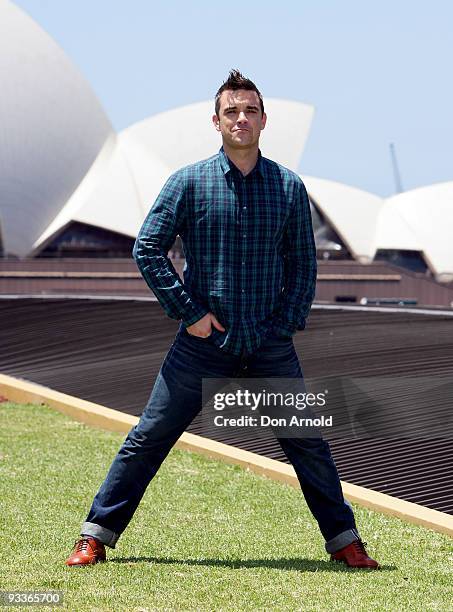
<point x="263" y="121"/>
<point x="216" y="122"/>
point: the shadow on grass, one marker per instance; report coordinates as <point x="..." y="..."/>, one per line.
<point x="301" y="565"/>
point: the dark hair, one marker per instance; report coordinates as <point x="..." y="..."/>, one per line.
<point x="236" y="81"/>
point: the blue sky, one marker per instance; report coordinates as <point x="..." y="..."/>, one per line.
<point x="376" y="72"/>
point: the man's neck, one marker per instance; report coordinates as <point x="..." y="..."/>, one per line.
<point x="244" y="159"/>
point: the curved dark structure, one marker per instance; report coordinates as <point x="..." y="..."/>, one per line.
<point x="109" y="352"/>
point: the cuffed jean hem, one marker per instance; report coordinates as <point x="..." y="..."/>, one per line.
<point x="342" y="540"/>
<point x="104" y="535"/>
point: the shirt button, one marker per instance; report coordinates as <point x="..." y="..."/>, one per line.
<point x="244" y="235"/>
<point x="244" y="208"/>
<point x="243" y="262"/>
<point x="243" y="291"/>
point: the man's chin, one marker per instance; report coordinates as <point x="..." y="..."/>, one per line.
<point x="241" y="144"/>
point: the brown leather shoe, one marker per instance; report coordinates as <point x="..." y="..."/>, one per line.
<point x="355" y="555"/>
<point x="87" y="551"/>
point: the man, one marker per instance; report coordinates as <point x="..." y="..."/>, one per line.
<point x="248" y="286"/>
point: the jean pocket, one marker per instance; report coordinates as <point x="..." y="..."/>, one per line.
<point x="186" y="333"/>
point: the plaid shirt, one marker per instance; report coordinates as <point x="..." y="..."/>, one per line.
<point x="249" y="248"/>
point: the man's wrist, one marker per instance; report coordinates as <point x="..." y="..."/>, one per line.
<point x="284" y="328"/>
<point x="197" y="313"/>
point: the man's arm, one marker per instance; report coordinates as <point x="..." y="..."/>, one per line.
<point x="159" y="230"/>
<point x="300" y="267"/>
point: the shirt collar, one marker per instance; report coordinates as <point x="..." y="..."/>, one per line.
<point x="227" y="165"/>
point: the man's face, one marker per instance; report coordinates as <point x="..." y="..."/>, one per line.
<point x="240" y="120"/>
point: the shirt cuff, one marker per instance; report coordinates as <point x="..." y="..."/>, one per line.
<point x="285" y="328"/>
<point x="193" y="314"/>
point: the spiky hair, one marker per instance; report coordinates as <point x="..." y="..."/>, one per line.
<point x="236" y="81"/>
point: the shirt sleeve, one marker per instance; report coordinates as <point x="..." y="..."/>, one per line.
<point x="300" y="267"/>
<point x="164" y="222"/>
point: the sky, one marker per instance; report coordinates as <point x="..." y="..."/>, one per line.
<point x="377" y="72"/>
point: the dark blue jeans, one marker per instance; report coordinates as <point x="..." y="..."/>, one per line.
<point x="174" y="402"/>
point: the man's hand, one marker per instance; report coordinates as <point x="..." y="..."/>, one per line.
<point x="203" y="327"/>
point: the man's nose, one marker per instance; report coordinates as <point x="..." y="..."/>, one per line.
<point x="242" y="117"/>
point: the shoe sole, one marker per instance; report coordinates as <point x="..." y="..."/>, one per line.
<point x="367" y="567"/>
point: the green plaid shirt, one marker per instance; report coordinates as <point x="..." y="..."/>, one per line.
<point x="249" y="248"/>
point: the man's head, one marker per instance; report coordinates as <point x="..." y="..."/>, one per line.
<point x="239" y="112"/>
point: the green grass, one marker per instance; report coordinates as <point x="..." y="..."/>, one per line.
<point x="207" y="536"/>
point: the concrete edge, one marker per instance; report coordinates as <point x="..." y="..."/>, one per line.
<point x="95" y="415"/>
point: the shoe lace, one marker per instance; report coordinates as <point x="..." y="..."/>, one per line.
<point x="360" y="545"/>
<point x="82" y="545"/>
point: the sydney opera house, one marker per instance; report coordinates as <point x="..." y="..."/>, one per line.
<point x="71" y="187"/>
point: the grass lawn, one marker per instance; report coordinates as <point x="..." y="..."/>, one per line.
<point x="207" y="536"/>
